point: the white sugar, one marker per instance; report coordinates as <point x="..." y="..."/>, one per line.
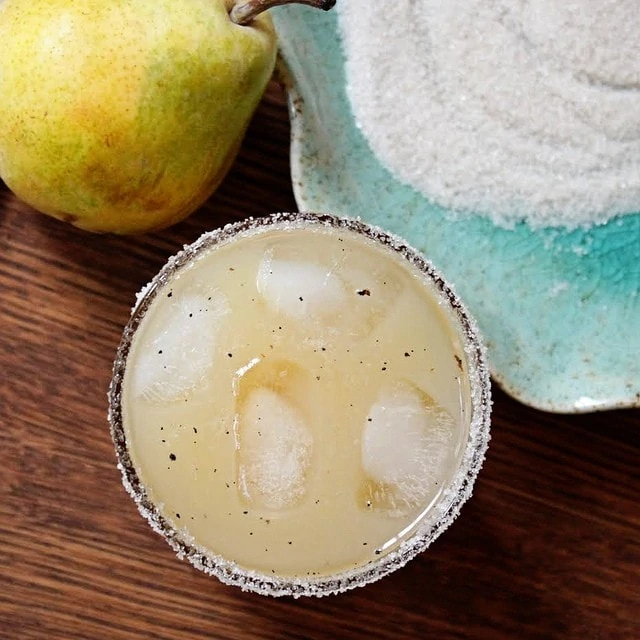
<point x="274" y="450"/>
<point x="518" y="110"/>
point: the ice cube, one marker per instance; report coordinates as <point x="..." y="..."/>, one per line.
<point x="300" y="289"/>
<point x="406" y="447"/>
<point x="177" y="351"/>
<point x="274" y="450"/>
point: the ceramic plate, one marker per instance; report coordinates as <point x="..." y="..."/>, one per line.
<point x="560" y="311"/>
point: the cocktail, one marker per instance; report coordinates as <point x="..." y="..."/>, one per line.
<point x="300" y="404"/>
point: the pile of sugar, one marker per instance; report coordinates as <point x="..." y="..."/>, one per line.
<point x="514" y="109"/>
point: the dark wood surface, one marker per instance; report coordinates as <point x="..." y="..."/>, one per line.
<point x="548" y="547"/>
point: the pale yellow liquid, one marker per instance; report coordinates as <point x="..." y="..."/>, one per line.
<point x="327" y="365"/>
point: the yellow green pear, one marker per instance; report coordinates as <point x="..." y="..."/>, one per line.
<point x="124" y="116"/>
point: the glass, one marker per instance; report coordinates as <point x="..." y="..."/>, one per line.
<point x="300" y="404"/>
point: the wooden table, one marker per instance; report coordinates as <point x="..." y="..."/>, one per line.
<point x="547" y="548"/>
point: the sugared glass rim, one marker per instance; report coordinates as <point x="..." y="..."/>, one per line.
<point x="440" y="516"/>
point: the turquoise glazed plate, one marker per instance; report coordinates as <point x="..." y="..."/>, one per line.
<point x="560" y="311"/>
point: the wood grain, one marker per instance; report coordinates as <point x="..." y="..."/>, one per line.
<point x="547" y="548"/>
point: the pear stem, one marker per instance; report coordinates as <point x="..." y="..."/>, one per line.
<point x="246" y="10"/>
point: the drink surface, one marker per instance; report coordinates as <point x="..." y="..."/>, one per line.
<point x="295" y="400"/>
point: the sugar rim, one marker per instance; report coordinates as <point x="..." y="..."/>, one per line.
<point x="441" y="515"/>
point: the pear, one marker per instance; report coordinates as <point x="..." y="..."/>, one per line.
<point x="124" y="116"/>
